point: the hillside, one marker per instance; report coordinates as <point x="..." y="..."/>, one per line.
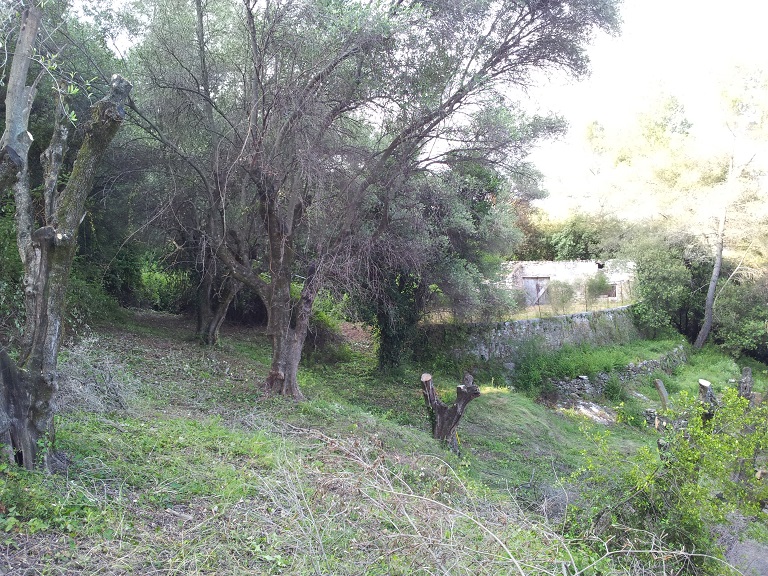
<point x="177" y="464"/>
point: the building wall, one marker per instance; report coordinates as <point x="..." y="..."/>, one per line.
<point x="534" y="276"/>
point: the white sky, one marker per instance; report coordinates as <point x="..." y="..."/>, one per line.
<point x="676" y="47"/>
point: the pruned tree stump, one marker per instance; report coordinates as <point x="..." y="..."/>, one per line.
<point x="445" y="419"/>
<point x="707" y="399"/>
<point x="663" y="395"/>
<point x="745" y="385"/>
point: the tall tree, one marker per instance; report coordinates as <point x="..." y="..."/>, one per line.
<point x="457" y="242"/>
<point x="338" y="111"/>
<point x="668" y="170"/>
<point x="747" y="120"/>
<point x="47" y="239"/>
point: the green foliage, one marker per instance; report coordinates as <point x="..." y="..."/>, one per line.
<point x="324" y="341"/>
<point x="561" y="295"/>
<point x="87" y="302"/>
<point x="663" y="284"/>
<point x="123" y="277"/>
<point x="11" y="295"/>
<point x="741" y="317"/>
<point x="535" y="364"/>
<point x="156" y="483"/>
<point x="397" y="317"/>
<point x="163" y="288"/>
<point x="598" y="285"/>
<point x="704" y="472"/>
<point x="670" y="271"/>
<point x="32" y="502"/>
<point x="613" y="390"/>
<point x="581" y="237"/>
<point x="453" y="257"/>
<point x="594" y="287"/>
<point x="577" y="239"/>
<point x="171" y="457"/>
<point x="630" y="412"/>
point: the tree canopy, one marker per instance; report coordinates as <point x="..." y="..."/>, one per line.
<point x="303" y="135"/>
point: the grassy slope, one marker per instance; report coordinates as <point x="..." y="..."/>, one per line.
<point x="180" y="466"/>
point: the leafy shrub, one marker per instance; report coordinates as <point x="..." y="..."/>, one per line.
<point x="674" y="499"/>
<point x="87" y="302"/>
<point x="595" y="287"/>
<point x="740" y="317"/>
<point x="614" y="390"/>
<point x="667" y="270"/>
<point x="560" y="296"/>
<point x="123" y="276"/>
<point x="165" y="289"/>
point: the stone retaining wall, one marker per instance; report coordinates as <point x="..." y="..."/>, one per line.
<point x="502" y="341"/>
<point x="584" y="387"/>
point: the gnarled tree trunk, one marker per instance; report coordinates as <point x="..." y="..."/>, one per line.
<point x="47" y="252"/>
<point x="229" y="289"/>
<point x="288" y="328"/>
<point x="445" y="419"/>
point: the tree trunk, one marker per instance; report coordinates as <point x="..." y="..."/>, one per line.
<point x="47" y="255"/>
<point x="707" y="399"/>
<point x="229" y="290"/>
<point x="204" y="308"/>
<point x="709" y="304"/>
<point x="745" y="385"/>
<point x="288" y="328"/>
<point x="16" y="141"/>
<point x="445" y="419"/>
<point x="663" y="395"/>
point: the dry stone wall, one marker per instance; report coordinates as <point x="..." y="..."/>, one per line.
<point x="503" y="340"/>
<point x="585" y="387"/>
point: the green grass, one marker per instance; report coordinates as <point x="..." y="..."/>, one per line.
<point x="202" y="474"/>
<point x="535" y="365"/>
<point x="169" y="460"/>
<point x="709" y="364"/>
<point x="517" y="442"/>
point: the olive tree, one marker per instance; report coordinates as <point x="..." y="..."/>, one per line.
<point x="46" y="237"/>
<point x="327" y="117"/>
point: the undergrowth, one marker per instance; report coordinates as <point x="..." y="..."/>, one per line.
<point x="535" y="364"/>
<point x="188" y="469"/>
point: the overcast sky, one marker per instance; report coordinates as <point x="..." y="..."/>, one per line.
<point x="676" y="47"/>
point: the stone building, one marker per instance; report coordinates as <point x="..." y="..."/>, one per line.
<point x="533" y="277"/>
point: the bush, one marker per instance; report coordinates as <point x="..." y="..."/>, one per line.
<point x="123" y="277"/>
<point x="560" y="296"/>
<point x="165" y="289"/>
<point x="668" y="274"/>
<point x="673" y="500"/>
<point x="740" y="317"/>
<point x="87" y="301"/>
<point x="595" y="287"/>
<point x="614" y="390"/>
